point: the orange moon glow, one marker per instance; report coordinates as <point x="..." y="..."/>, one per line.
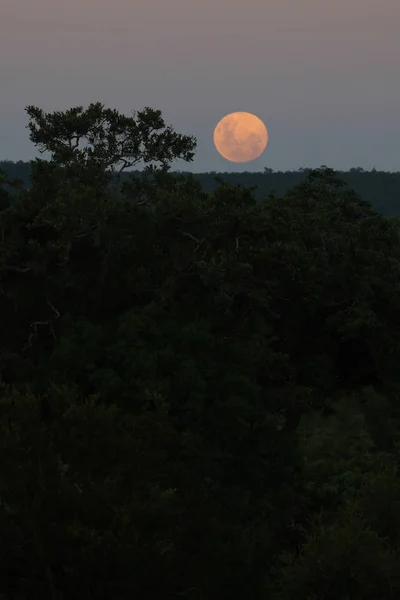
<point x="240" y="137"/>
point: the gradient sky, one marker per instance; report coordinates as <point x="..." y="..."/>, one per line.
<point x="323" y="76"/>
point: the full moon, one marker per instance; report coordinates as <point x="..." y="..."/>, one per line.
<point x="240" y="137"/>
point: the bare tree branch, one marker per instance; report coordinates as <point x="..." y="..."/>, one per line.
<point x="18" y="269"/>
<point x="33" y="326"/>
<point x="192" y="237"/>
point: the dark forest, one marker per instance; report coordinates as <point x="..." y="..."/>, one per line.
<point x="380" y="188"/>
<point x="199" y="374"/>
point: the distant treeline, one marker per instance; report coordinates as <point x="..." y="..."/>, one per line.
<point x="380" y="188"/>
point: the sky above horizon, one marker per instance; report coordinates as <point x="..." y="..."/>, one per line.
<point x="323" y="76"/>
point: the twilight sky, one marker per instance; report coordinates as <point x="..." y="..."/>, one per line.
<point x="324" y="76"/>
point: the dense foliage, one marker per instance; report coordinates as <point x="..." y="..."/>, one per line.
<point x="199" y="390"/>
<point x="379" y="188"/>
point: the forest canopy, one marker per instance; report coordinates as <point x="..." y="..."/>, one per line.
<point x="379" y="188"/>
<point x="199" y="387"/>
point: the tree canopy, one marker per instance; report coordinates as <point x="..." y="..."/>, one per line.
<point x="199" y="390"/>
